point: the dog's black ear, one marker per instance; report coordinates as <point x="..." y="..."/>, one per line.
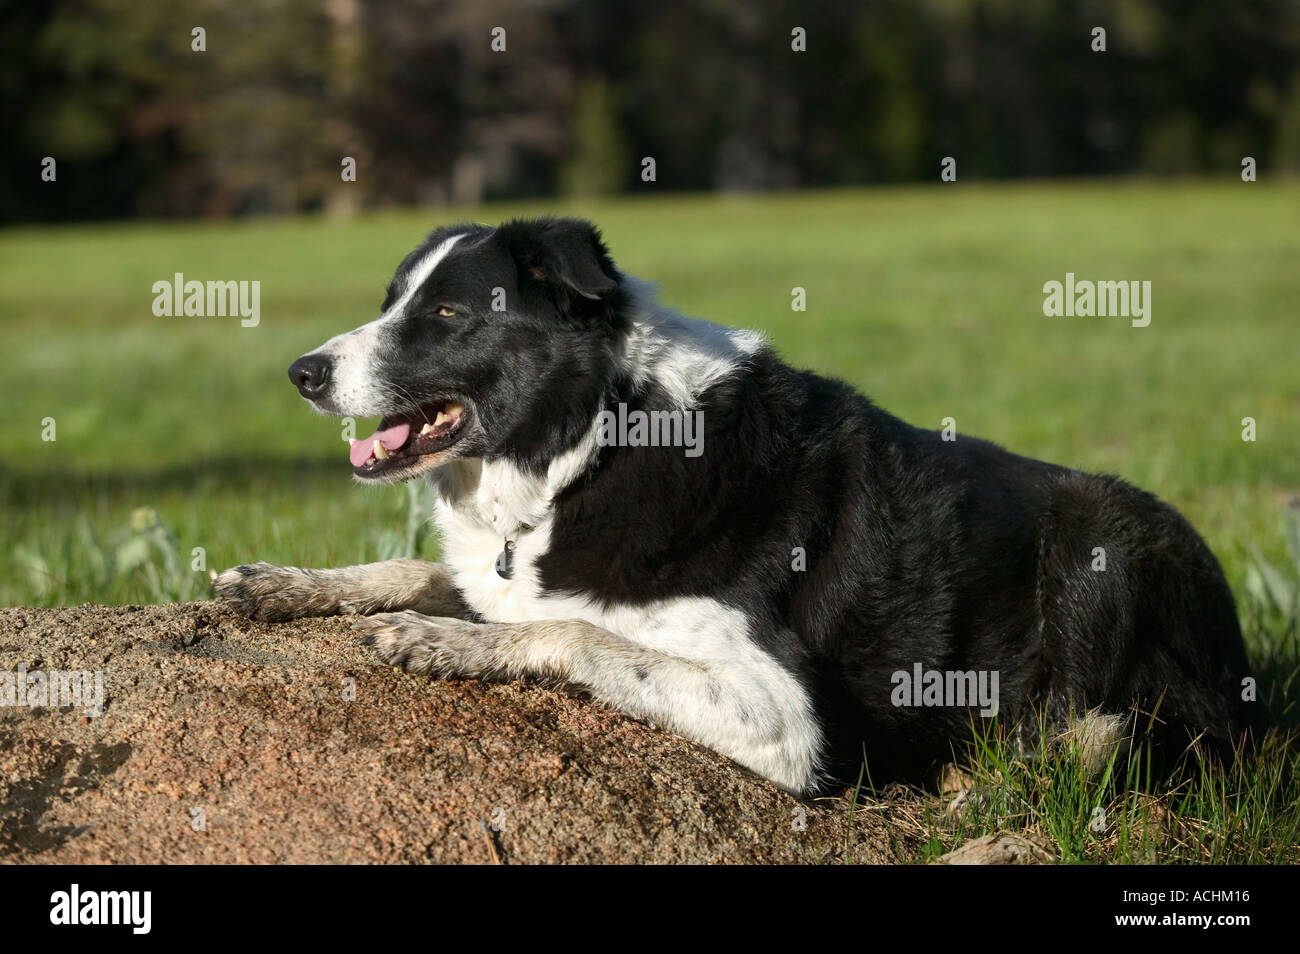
<point x="565" y="254"/>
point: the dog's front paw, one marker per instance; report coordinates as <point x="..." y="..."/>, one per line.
<point x="432" y="645"/>
<point x="265" y="592"/>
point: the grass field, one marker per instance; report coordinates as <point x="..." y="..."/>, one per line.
<point x="928" y="299"/>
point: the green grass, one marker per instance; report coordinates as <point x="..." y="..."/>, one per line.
<point x="927" y="299"/>
<point x="1243" y="814"/>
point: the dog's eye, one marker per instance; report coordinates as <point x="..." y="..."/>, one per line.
<point x="446" y="312"/>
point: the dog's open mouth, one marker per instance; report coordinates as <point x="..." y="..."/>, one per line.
<point x="401" y="441"/>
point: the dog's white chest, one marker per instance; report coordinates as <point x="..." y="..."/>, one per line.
<point x="495" y="525"/>
<point x="499" y="586"/>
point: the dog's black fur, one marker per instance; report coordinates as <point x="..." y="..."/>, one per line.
<point x="955" y="554"/>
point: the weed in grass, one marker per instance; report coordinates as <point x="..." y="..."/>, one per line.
<point x="144" y="554"/>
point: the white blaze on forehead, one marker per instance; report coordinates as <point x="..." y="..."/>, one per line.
<point x="358" y="387"/>
<point x="420" y="274"/>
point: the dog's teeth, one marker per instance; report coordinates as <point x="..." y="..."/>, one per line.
<point x="439" y="419"/>
<point x="379" y="450"/>
<point x="453" y="410"/>
<point x="427" y="428"/>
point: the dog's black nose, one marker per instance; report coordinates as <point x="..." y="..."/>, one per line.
<point x="310" y="374"/>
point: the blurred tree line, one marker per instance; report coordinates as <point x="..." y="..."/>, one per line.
<point x="140" y="123"/>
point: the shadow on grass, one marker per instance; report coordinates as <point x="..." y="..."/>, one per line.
<point x="72" y="486"/>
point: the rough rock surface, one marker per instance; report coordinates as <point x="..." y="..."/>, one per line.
<point x="1003" y="848"/>
<point x="229" y="741"/>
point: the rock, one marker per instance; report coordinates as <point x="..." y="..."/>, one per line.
<point x="230" y="741"/>
<point x="1000" y="849"/>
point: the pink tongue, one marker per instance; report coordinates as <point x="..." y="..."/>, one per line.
<point x="392" y="438"/>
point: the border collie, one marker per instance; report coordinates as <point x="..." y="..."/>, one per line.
<point x="768" y="592"/>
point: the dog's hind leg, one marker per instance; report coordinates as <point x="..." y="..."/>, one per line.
<point x="755" y="714"/>
<point x="276" y="593"/>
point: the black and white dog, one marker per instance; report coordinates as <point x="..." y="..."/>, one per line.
<point x="766" y="586"/>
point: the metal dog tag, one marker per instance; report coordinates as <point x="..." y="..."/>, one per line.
<point x="506" y="561"/>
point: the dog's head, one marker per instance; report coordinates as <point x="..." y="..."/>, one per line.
<point x="491" y="342"/>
